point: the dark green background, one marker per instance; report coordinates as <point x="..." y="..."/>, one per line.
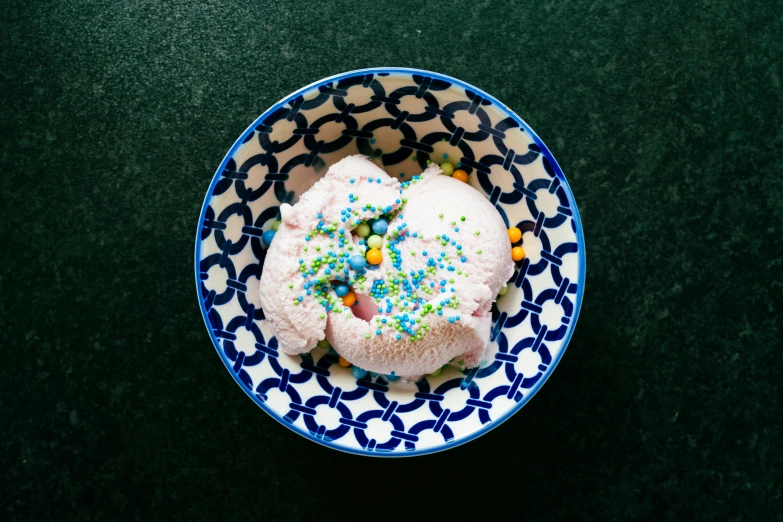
<point x="665" y="116"/>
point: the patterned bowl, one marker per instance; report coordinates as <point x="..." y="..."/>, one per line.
<point x="401" y="118"/>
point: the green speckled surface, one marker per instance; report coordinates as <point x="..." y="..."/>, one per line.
<point x="665" y="116"/>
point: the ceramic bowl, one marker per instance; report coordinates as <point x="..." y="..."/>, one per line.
<point x="402" y="118"/>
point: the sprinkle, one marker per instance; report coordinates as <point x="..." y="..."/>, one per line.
<point x="351" y="180"/>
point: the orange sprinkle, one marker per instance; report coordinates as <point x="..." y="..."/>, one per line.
<point x="514" y="234"/>
<point x="517" y="254"/>
<point x="460" y="175"/>
<point x="343" y="362"/>
<point x="349" y="299"/>
<point x="374" y="256"/>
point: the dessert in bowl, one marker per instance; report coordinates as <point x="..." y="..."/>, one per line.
<point x="473" y="262"/>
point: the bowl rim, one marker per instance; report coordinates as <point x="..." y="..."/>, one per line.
<point x="579" y="237"/>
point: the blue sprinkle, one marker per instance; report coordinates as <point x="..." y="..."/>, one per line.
<point x="440" y="312"/>
<point x="377" y="332"/>
<point x="451" y="319"/>
<point x="442" y="290"/>
<point x="463" y="259"/>
<point x="351" y="180"/>
<point x="398" y="335"/>
<point x="358" y="372"/>
<point x="300" y="298"/>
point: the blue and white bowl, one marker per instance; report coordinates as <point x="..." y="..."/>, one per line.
<point x="400" y="117"/>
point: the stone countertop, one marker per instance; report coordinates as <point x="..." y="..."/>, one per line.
<point x="666" y="118"/>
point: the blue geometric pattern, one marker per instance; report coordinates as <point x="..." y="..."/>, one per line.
<point x="402" y="118"/>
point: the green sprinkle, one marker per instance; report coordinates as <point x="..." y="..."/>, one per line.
<point x="478" y="251"/>
<point x="440" y="215"/>
<point x="317" y="249"/>
<point x="478" y="232"/>
<point x="462" y="218"/>
<point x="366" y="336"/>
<point x="321" y="316"/>
<point x="453" y="222"/>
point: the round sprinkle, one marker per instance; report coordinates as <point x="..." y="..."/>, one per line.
<point x="276" y="225"/>
<point x="358" y="372"/>
<point x="447" y="168"/>
<point x="517" y="253"/>
<point x="363" y="230"/>
<point x="380" y="226"/>
<point x="514" y="234"/>
<point x="462" y="218"/>
<point x="342" y="362"/>
<point x="374" y="256"/>
<point x="349" y="299"/>
<point x="341" y="290"/>
<point x="267" y="237"/>
<point x="375" y="242"/>
<point x="503" y="290"/>
<point x="357" y="262"/>
<point x="460" y="175"/>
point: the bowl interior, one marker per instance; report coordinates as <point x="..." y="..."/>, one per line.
<point x="402" y="119"/>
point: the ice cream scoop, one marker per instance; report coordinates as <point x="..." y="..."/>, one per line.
<point x="424" y="294"/>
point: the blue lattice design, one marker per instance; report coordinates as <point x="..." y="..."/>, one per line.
<point x="402" y="118"/>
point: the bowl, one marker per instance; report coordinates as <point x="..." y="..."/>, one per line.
<point x="403" y="119"/>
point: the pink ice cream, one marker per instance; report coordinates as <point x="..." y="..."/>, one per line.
<point x="445" y="257"/>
